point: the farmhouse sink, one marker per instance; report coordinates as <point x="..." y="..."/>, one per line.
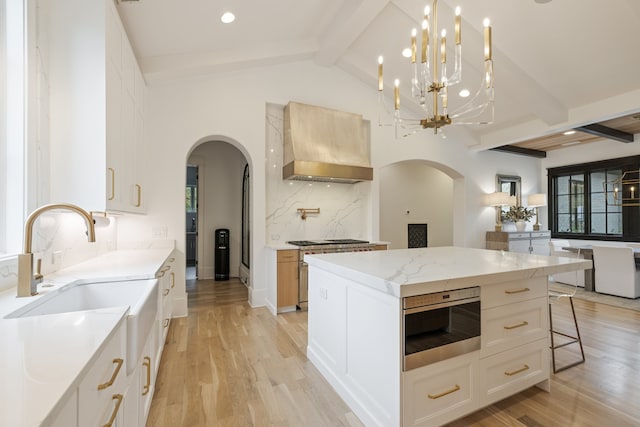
<point x="141" y="296"/>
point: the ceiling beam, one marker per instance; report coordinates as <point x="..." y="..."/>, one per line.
<point x="606" y="132"/>
<point x="512" y="149"/>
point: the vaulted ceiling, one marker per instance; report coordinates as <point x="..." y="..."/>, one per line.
<point x="558" y="64"/>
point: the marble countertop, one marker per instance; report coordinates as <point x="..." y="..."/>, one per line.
<point x="406" y="272"/>
<point x="42" y="358"/>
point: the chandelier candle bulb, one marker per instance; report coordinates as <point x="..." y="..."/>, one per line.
<point x="443" y="48"/>
<point x="380" y="82"/>
<point x="414" y="32"/>
<point x="633" y="192"/>
<point x="396" y="94"/>
<point x="425" y="40"/>
<point x="488" y="55"/>
<point x="458" y="26"/>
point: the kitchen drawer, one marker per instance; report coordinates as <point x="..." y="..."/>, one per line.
<point x="513" y="291"/>
<point x="518" y="236"/>
<point x="439" y="393"/>
<point x="97" y="396"/>
<point x="510" y="372"/>
<point x="541" y="234"/>
<point x="288" y="256"/>
<point x="509" y="326"/>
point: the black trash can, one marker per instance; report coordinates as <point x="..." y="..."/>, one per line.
<point x="222" y="254"/>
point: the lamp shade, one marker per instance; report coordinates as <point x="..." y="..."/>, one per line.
<point x="535" y="200"/>
<point x="499" y="198"/>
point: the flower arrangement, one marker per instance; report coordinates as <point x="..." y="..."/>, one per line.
<point x="518" y="213"/>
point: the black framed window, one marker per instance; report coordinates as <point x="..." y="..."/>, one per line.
<point x="582" y="203"/>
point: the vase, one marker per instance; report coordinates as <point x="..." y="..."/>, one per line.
<point x="520" y="225"/>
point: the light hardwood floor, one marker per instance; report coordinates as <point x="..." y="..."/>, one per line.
<point x="227" y="364"/>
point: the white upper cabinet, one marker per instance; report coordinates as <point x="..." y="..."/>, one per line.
<point x="97" y="96"/>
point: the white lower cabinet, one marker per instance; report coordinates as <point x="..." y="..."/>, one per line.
<point x="101" y="391"/>
<point x="106" y="395"/>
<point x="504" y="374"/>
<point x="513" y="356"/>
<point x="438" y="393"/>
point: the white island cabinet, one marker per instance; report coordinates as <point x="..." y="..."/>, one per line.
<point x="356" y="330"/>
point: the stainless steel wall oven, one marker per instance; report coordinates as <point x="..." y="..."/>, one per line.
<point x="440" y="325"/>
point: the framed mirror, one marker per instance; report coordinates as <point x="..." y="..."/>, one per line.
<point x="509" y="184"/>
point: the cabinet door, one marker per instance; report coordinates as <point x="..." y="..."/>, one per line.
<point x="438" y="393"/>
<point x="519" y="245"/>
<point x="287" y="281"/>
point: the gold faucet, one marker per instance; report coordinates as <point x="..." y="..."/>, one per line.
<point x="27" y="280"/>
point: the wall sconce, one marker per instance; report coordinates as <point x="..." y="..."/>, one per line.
<point x="535" y="201"/>
<point x="498" y="200"/>
<point x="304" y="211"/>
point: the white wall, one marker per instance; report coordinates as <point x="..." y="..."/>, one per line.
<point x="219" y="202"/>
<point x="414" y="192"/>
<point x="232" y="108"/>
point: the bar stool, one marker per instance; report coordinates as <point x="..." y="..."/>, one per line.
<point x="556" y="295"/>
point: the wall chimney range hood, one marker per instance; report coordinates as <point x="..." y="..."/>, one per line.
<point x="325" y="145"/>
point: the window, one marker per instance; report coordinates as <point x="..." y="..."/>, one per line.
<point x="12" y="120"/>
<point x="582" y="203"/>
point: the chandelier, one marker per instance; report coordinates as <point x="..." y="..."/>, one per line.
<point x="431" y="80"/>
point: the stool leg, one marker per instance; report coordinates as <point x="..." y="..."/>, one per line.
<point x="553" y="347"/>
<point x="575" y="322"/>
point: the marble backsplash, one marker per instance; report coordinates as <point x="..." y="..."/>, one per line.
<point x="60" y="240"/>
<point x="344" y="208"/>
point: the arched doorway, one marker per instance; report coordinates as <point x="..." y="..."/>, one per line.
<point x="221" y="199"/>
<point x="417" y="193"/>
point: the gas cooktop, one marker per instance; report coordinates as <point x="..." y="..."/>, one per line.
<point x="327" y="242"/>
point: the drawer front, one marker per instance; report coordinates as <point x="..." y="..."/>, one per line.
<point x="541" y="234"/>
<point x="513" y="291"/>
<point x="95" y="395"/>
<point x="439" y="393"/>
<point x="510" y="372"/>
<point x="519" y="236"/>
<point x="288" y="256"/>
<point x="512" y="325"/>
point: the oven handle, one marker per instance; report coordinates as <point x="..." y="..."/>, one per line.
<point x="439" y="305"/>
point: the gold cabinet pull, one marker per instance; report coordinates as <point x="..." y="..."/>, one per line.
<point x="172" y="259"/>
<point x="109" y="383"/>
<point x="517" y="291"/>
<point x="147" y="363"/>
<point x="444" y="393"/>
<point x="518" y="325"/>
<point x="517" y="371"/>
<point x="139" y="190"/>
<point x="160" y="274"/>
<point x="113" y="183"/>
<point x="117" y="397"/>
<point x="173" y="279"/>
<point x="162" y="271"/>
<point x="165" y="323"/>
<point x="166" y="268"/>
<point x="165" y="292"/>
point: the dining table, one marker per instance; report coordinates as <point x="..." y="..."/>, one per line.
<point x="590" y="274"/>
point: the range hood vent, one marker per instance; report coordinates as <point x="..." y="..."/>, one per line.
<point x="325" y="145"/>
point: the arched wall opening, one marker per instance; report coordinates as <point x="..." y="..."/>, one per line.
<point x="221" y="164"/>
<point x="419" y="192"/>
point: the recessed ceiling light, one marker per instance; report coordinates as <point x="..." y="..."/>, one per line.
<point x="569" y="132"/>
<point x="228" y="17"/>
<point x="543" y="1"/>
<point x="406" y="52"/>
<point x="464" y="93"/>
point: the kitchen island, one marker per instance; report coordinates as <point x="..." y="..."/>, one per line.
<point x="356" y="329"/>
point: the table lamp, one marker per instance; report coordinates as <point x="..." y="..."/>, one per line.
<point x="498" y="200"/>
<point x="535" y="201"/>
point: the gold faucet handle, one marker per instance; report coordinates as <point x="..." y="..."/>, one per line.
<point x="38" y="276"/>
